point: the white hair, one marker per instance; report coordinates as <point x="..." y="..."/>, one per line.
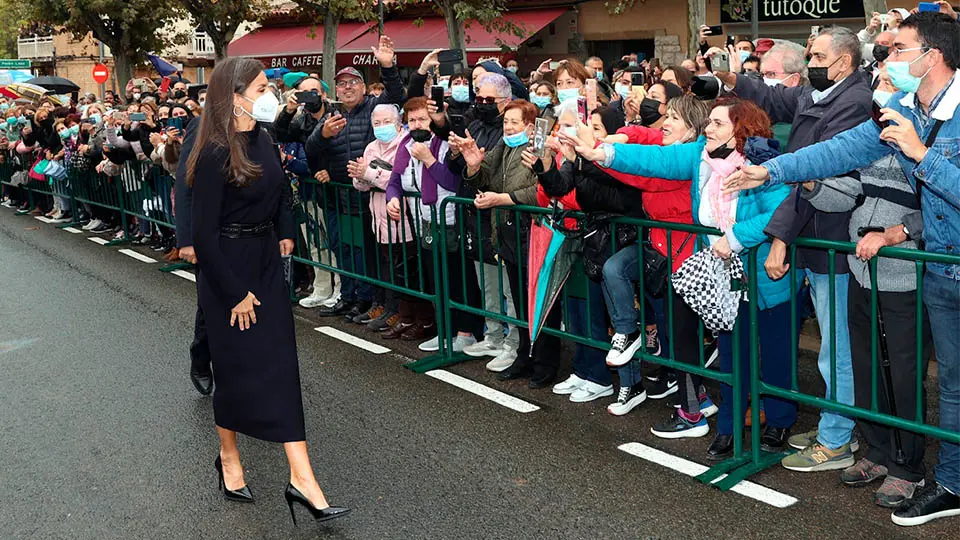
<point x="792" y="58"/>
<point x="389" y="109"/>
<point x="500" y="84"/>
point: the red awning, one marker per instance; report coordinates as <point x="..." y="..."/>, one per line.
<point x="292" y="47"/>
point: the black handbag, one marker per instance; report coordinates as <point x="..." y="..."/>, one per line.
<point x="597" y="244"/>
<point x="656" y="268"/>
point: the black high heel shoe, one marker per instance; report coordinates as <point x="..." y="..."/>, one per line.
<point x="240" y="495"/>
<point x="293" y="495"/>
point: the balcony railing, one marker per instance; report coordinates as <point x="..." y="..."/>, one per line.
<point x="202" y="45"/>
<point x="35" y="47"/>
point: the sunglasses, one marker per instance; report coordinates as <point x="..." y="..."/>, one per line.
<point x="488" y="100"/>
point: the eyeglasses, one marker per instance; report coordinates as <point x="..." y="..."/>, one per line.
<point x="348" y="83"/>
<point x="897" y="52"/>
<point x="488" y="100"/>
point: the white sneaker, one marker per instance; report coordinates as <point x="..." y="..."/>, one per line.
<point x="431" y="345"/>
<point x="313" y="301"/>
<point x="57" y="215"/>
<point x="591" y="391"/>
<point x="332" y="301"/>
<point x="94" y="223"/>
<point x="629" y="398"/>
<point x="569" y="386"/>
<point x="623" y="347"/>
<point x="483" y="348"/>
<point x="462" y="342"/>
<point x="502" y="362"/>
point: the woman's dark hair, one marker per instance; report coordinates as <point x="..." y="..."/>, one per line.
<point x="748" y="119"/>
<point x="182" y="107"/>
<point x="684" y="77"/>
<point x="611" y="118"/>
<point x="231" y="76"/>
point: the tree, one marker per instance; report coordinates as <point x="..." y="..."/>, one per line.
<point x="221" y="18"/>
<point x="869" y="6"/>
<point x="459" y="15"/>
<point x="15" y="15"/>
<point x="131" y="28"/>
<point x="696" y="16"/>
<point x="332" y="12"/>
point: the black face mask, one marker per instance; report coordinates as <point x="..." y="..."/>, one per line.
<point x="819" y="79"/>
<point x="880" y="53"/>
<point x="177" y="94"/>
<point x="721" y="152"/>
<point x="420" y="135"/>
<point x="313" y="108"/>
<point x="649" y="111"/>
<point x="487" y="112"/>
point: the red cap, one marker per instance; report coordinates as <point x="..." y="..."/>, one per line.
<point x="764" y="45"/>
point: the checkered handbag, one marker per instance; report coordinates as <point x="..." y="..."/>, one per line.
<point x="704" y="282"/>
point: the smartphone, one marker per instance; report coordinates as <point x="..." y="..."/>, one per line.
<point x="436" y="94"/>
<point x="927" y="6"/>
<point x="541" y="131"/>
<point x="876" y="114"/>
<point x="450" y="56"/>
<point x="381" y="164"/>
<point x="458" y="124"/>
<point x="582" y="109"/>
<point x="337" y="108"/>
<point x="308" y="97"/>
<point x="138" y="117"/>
<point x="720" y="62"/>
<point x="731" y="40"/>
<point x="715" y="30"/>
<point x="592" y="94"/>
<point x="165" y="84"/>
<point x="636" y="80"/>
<point x="177" y="122"/>
<point x="814" y="30"/>
<point x="554" y="66"/>
<point x="86" y="121"/>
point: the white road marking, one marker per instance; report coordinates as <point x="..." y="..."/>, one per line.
<point x="74" y="231"/>
<point x="689" y="468"/>
<point x="352" y="340"/>
<point x="98" y="240"/>
<point x="43" y="219"/>
<point x="138" y="256"/>
<point x="486" y="392"/>
<point x="185" y="275"/>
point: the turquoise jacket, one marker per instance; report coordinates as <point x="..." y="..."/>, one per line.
<point x="755" y="207"/>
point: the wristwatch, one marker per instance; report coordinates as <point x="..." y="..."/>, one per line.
<point x="906" y="232"/>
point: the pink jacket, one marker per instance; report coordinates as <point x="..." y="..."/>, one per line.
<point x="387" y="230"/>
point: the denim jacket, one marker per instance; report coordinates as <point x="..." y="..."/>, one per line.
<point x="939" y="170"/>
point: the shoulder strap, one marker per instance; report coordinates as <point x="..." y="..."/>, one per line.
<point x="931" y="138"/>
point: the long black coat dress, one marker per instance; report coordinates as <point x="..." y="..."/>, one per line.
<point x="257" y="373"/>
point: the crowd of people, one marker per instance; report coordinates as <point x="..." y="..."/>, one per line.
<point x="866" y="123"/>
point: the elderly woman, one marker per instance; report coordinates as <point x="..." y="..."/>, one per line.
<point x="503" y="180"/>
<point x="396" y="240"/>
<point x="742" y="218"/>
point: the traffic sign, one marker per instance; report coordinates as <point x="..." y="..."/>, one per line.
<point x="100" y="73"/>
<point x="14" y="63"/>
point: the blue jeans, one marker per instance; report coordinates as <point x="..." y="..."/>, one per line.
<point x="350" y="259"/>
<point x="774" y="335"/>
<point x="588" y="362"/>
<point x="942" y="298"/>
<point x="834" y="430"/>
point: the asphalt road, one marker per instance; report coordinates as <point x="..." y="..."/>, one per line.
<point x="103" y="437"/>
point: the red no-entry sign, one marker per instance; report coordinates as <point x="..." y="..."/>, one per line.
<point x="100" y="73"/>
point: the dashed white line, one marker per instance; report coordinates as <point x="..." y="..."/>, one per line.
<point x="689" y="468"/>
<point x="352" y="340"/>
<point x="486" y="392"/>
<point x="98" y="240"/>
<point x="72" y="230"/>
<point x="185" y="275"/>
<point x="138" y="256"/>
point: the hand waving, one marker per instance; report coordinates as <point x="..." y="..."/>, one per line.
<point x="384" y="52"/>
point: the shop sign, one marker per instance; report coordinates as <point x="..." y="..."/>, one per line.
<point x="739" y="11"/>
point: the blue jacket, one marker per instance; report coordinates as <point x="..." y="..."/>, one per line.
<point x="939" y="171"/>
<point x="755" y="207"/>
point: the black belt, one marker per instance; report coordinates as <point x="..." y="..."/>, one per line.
<point x="246" y="230"/>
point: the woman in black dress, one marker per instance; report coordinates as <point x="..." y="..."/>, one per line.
<point x="242" y="223"/>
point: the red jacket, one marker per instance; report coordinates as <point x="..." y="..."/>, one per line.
<point x="663" y="200"/>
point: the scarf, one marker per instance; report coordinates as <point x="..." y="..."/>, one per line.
<point x="719" y="202"/>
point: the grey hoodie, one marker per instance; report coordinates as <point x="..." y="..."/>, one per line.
<point x="888" y="200"/>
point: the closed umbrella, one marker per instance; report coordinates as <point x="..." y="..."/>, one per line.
<point x="552" y="264"/>
<point x="58" y="85"/>
<point x="28" y="91"/>
<point x="7" y="94"/>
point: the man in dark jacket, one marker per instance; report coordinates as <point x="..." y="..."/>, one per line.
<point x="340" y="139"/>
<point x="837" y="100"/>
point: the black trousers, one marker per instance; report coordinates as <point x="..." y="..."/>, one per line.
<point x="686" y="349"/>
<point x="200" y="348"/>
<point x="899" y="316"/>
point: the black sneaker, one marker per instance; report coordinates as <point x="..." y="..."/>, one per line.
<point x="629" y="398"/>
<point x="663" y="386"/>
<point x="623" y="347"/>
<point x="932" y="502"/>
<point x="679" y="427"/>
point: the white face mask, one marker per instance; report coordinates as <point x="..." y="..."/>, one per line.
<point x="264" y="107"/>
<point x="772" y="82"/>
<point x="570" y="131"/>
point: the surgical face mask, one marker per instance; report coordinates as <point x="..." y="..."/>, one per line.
<point x="570" y="131"/>
<point x="881" y="97"/>
<point x="722" y="151"/>
<point x="516" y="140"/>
<point x="772" y="82"/>
<point x="385" y="134"/>
<point x="95" y="118"/>
<point x="136" y="96"/>
<point x="599" y="75"/>
<point x="460" y="93"/>
<point x="881" y="53"/>
<point x="74" y="130"/>
<point x="568" y="93"/>
<point x="623" y="90"/>
<point x="445" y="84"/>
<point x="542" y="102"/>
<point x="632" y="63"/>
<point x="4" y="107"/>
<point x="900" y="73"/>
<point x="12" y="121"/>
<point x="64" y="133"/>
<point x="743" y="56"/>
<point x="264" y="107"/>
<point x="513" y="69"/>
<point x="202" y="102"/>
<point x="820" y="77"/>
